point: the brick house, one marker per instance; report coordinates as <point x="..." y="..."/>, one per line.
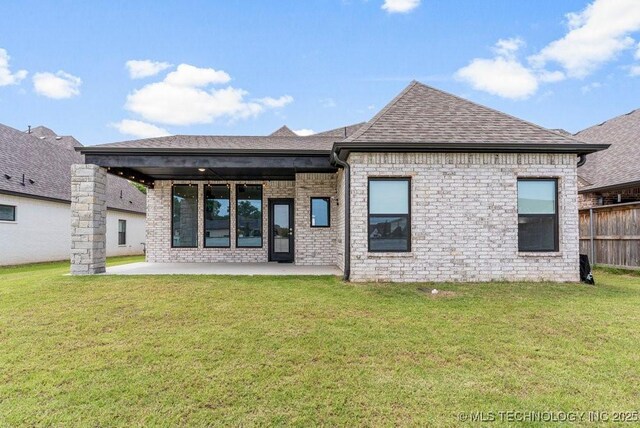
<point x="432" y="188"/>
<point x="611" y="176"/>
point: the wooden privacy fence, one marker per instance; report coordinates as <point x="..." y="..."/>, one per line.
<point x="610" y="234"/>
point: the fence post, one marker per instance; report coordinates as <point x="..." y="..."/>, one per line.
<point x="592" y="238"/>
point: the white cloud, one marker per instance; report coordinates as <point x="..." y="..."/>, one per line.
<point x="304" y="132"/>
<point x="188" y="75"/>
<point x="6" y="76"/>
<point x="57" y="86"/>
<point x="400" y="6"/>
<point x="585" y="89"/>
<point x="139" y="69"/>
<point x="503" y="75"/>
<point x="185" y="97"/>
<point x="276" y="102"/>
<point x="637" y="54"/>
<point x="139" y="129"/>
<point x="634" y="70"/>
<point x="596" y="35"/>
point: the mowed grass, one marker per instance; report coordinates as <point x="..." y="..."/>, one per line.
<point x="208" y="350"/>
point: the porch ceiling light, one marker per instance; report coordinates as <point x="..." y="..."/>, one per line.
<point x="201" y="169"/>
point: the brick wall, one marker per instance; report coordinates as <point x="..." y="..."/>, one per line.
<point x="159" y="224"/>
<point x="609" y="197"/>
<point x="315" y="245"/>
<point x="464" y="218"/>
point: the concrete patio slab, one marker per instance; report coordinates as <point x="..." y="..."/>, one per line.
<point x="144" y="268"/>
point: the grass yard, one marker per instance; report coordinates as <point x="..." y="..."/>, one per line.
<point x="179" y="350"/>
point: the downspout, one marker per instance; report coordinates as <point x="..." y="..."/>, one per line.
<point x="582" y="159"/>
<point x="347" y="212"/>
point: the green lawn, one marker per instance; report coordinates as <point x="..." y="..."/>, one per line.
<point x="196" y="350"/>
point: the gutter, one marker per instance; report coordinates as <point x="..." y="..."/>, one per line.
<point x="197" y="151"/>
<point x="347" y="212"/>
<point x="344" y="148"/>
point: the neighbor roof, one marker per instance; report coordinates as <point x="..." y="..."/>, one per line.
<point x="423" y="114"/>
<point x="46" y="160"/>
<point x="620" y="164"/>
<point x="283" y="131"/>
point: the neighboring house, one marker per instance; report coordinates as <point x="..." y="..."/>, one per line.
<point x="611" y="176"/>
<point x="609" y="193"/>
<point x="433" y="188"/>
<point x="35" y="200"/>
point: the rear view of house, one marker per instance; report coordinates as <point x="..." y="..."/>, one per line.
<point x="432" y="188"/>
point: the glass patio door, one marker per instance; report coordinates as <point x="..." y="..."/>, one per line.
<point x="281" y="230"/>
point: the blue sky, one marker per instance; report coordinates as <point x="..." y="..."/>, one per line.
<point x="248" y="67"/>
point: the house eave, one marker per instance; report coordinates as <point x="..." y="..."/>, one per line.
<point x="343" y="149"/>
<point x="621" y="186"/>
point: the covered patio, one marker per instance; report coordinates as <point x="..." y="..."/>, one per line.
<point x="145" y="268"/>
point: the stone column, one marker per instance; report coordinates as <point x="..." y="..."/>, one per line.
<point x="88" y="219"/>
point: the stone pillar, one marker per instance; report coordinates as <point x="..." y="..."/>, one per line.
<point x="88" y="219"/>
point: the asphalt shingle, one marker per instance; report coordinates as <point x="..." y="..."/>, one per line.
<point x="45" y="160"/>
<point x="620" y="163"/>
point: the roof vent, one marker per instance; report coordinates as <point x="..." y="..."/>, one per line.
<point x="42" y="138"/>
<point x="58" y="138"/>
<point x="7" y="176"/>
<point x="32" y="181"/>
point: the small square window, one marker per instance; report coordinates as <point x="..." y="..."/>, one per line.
<point x="7" y="213"/>
<point x="320" y="212"/>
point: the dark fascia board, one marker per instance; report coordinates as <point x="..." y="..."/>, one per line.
<point x="343" y="149"/>
<point x="621" y="186"/>
<point x="62" y="201"/>
<point x="199" y="151"/>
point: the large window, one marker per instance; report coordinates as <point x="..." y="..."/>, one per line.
<point x="320" y="212"/>
<point x="216" y="216"/>
<point x="7" y="213"/>
<point x="389" y="214"/>
<point x="122" y="232"/>
<point x="184" y="222"/>
<point x="248" y="216"/>
<point x="537" y="215"/>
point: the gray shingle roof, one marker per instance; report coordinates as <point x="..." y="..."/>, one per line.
<point x="620" y="164"/>
<point x="283" y="131"/>
<point x="231" y="142"/>
<point x="423" y="114"/>
<point x="342" y="132"/>
<point x="47" y="162"/>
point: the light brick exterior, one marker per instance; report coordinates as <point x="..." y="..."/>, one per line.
<point x="88" y="219"/>
<point x="464" y="218"/>
<point x="313" y="246"/>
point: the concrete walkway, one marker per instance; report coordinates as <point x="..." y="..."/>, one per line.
<point x="144" y="268"/>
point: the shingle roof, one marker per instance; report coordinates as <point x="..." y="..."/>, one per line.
<point x="230" y="142"/>
<point x="423" y="114"/>
<point x="47" y="162"/>
<point x="620" y="164"/>
<point x="283" y="131"/>
<point x="342" y="132"/>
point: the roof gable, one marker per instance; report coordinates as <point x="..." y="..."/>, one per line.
<point x="422" y="114"/>
<point x="283" y="131"/>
